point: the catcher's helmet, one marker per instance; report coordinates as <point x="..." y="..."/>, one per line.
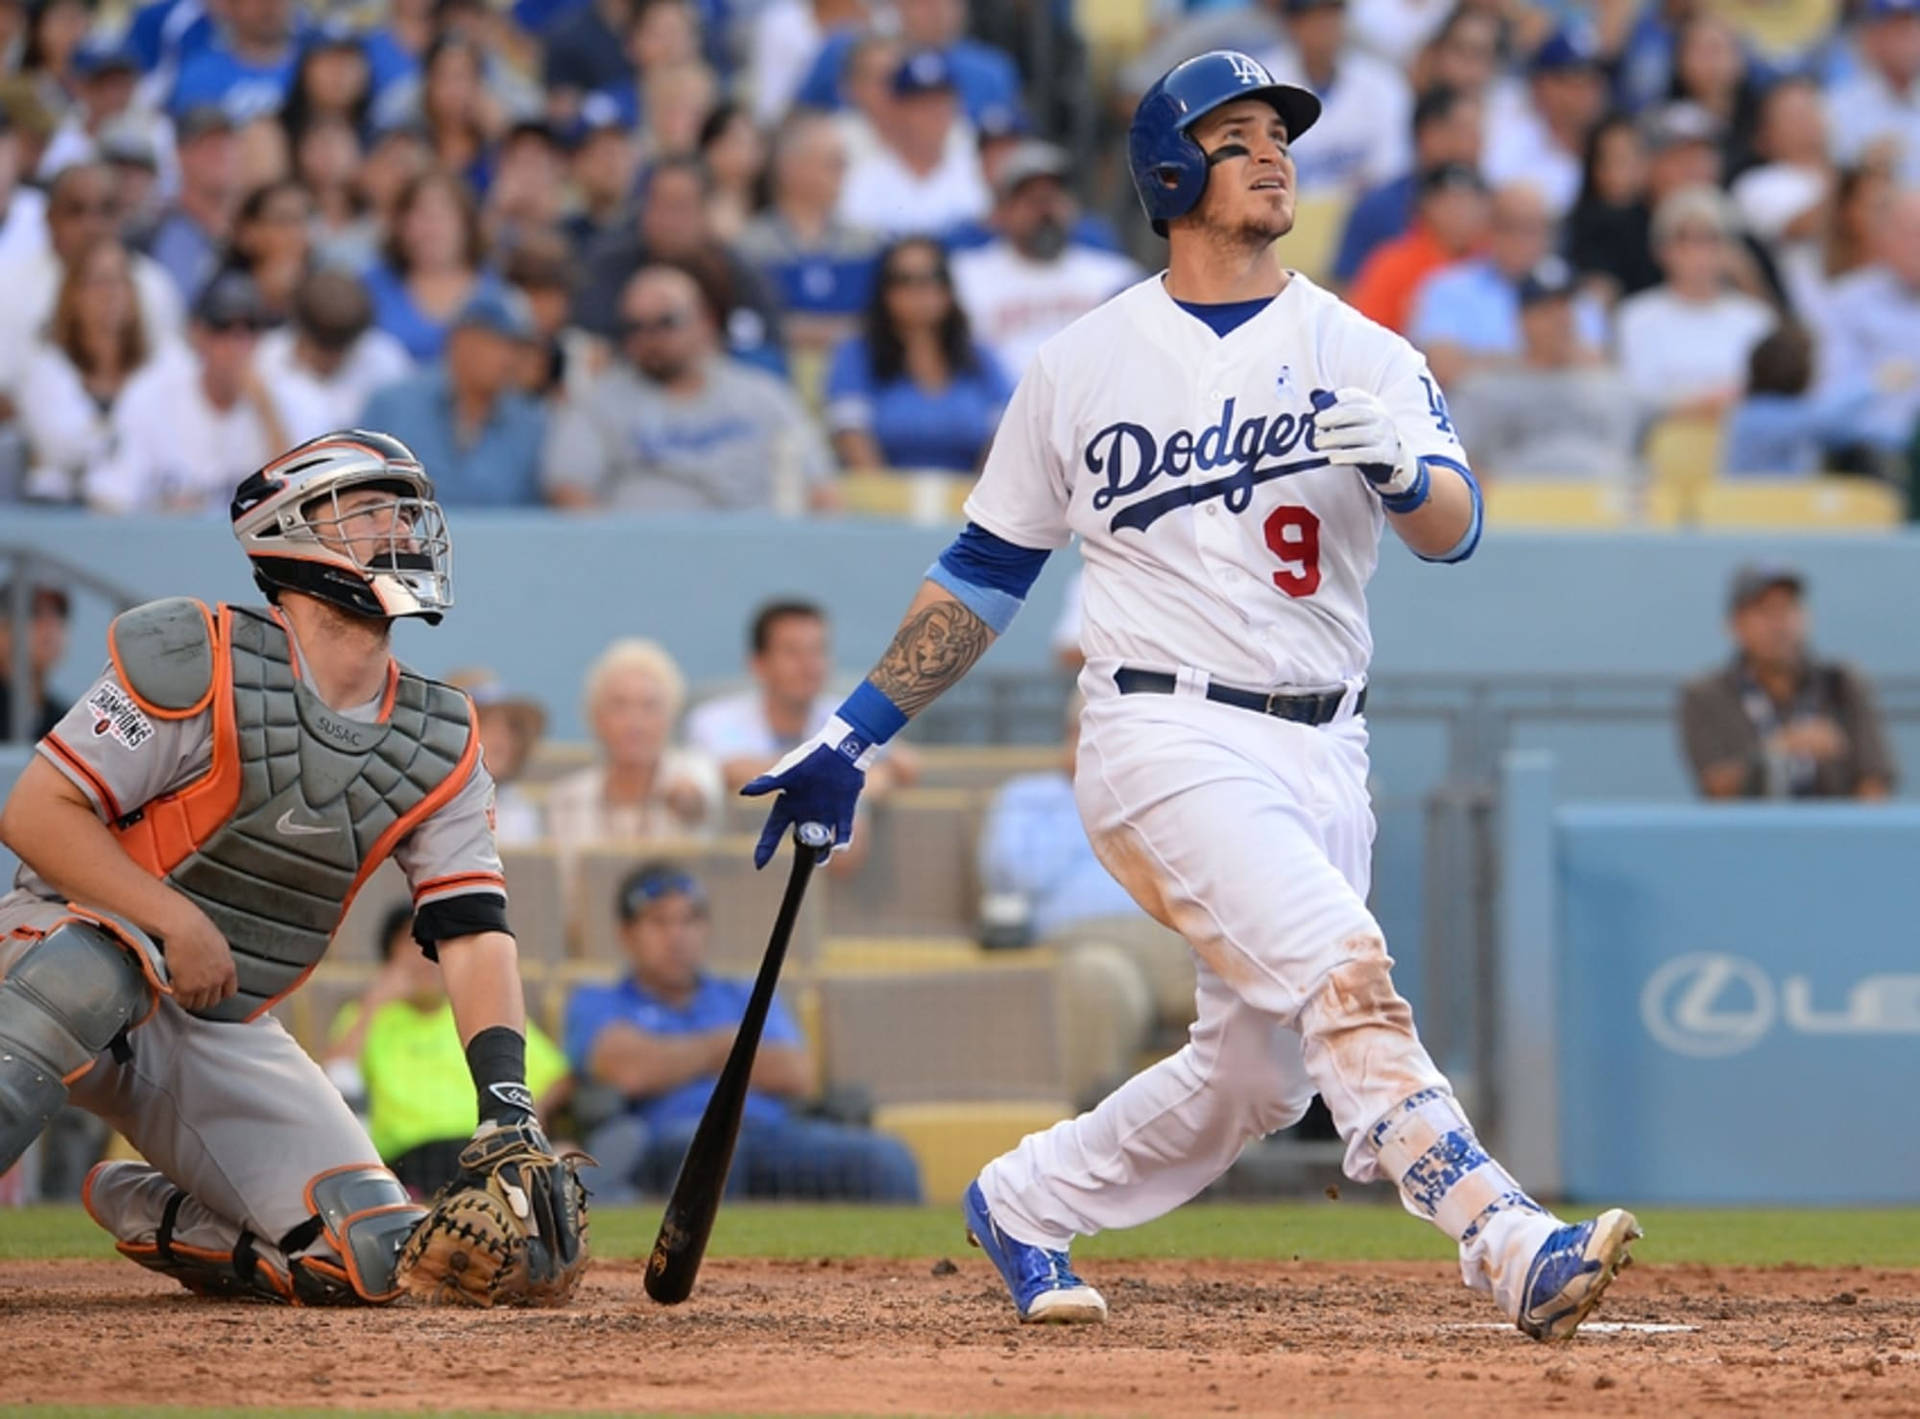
<point x="1169" y="167"/>
<point x="287" y="519"/>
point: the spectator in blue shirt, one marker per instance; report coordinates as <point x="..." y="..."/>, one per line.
<point x="197" y="225"/>
<point x="820" y="268"/>
<point x="1446" y="129"/>
<point x="433" y="264"/>
<point x="1467" y="315"/>
<point x="914" y="391"/>
<point x="658" y="1038"/>
<point x="476" y="433"/>
<point x="166" y="32"/>
<point x="1043" y="883"/>
<point x="985" y="78"/>
<point x="247" y="67"/>
<point x="1779" y="427"/>
<point x="586" y="52"/>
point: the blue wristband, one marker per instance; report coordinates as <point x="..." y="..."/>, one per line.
<point x="874" y="717"/>
<point x="1413" y="497"/>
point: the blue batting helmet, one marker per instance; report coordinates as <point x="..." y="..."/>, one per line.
<point x="1169" y="167"/>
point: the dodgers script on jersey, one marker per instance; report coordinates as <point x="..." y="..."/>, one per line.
<point x="1215" y="535"/>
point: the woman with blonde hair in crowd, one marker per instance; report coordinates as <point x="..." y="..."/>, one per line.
<point x="95" y="342"/>
<point x="643" y="786"/>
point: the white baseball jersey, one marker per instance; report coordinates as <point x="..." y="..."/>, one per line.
<point x="1216" y="538"/>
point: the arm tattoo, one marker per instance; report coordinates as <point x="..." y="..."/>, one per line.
<point x="929" y="653"/>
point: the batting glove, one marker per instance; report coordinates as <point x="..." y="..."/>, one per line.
<point x="1354" y="428"/>
<point x="819" y="782"/>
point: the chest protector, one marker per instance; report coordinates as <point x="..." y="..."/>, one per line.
<point x="300" y="804"/>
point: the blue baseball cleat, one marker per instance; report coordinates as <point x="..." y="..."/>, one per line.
<point x="1042" y="1282"/>
<point x="1571" y="1271"/>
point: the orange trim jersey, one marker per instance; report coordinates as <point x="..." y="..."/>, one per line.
<point x="167" y="779"/>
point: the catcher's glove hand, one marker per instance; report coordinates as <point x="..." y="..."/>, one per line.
<point x="510" y="1230"/>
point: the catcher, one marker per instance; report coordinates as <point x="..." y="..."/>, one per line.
<point x="191" y="834"/>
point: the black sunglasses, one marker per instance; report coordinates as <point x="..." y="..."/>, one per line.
<point x="657" y="325"/>
<point x="915" y="278"/>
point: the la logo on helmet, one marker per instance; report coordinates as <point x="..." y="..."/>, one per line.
<point x="1248" y="71"/>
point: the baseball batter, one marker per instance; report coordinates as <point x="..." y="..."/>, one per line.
<point x="1228" y="441"/>
<point x="191" y="834"/>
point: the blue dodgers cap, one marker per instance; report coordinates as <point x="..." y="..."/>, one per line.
<point x="599" y="113"/>
<point x="924" y="72"/>
<point x="502" y="312"/>
<point x="1565" y="50"/>
<point x="101" y="54"/>
<point x="1553" y="279"/>
<point x="1886" y="9"/>
<point x="651" y="881"/>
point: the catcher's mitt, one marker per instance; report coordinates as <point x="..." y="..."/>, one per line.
<point x="510" y="1230"/>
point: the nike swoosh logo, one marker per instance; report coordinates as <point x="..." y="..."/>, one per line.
<point x="286" y="827"/>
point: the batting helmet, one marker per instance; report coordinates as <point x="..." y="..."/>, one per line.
<point x="288" y="520"/>
<point x="1169" y="167"/>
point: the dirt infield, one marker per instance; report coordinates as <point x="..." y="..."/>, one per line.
<point x="897" y="1337"/>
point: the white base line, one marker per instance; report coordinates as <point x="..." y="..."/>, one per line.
<point x="1592" y="1327"/>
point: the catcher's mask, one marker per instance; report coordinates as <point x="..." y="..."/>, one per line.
<point x="379" y="559"/>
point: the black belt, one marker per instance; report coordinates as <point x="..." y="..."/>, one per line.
<point x="1298" y="709"/>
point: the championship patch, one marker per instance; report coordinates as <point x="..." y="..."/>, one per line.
<point x="115" y="713"/>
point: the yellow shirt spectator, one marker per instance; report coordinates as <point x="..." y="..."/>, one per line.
<point x="418" y="1087"/>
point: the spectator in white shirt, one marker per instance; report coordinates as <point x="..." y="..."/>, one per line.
<point x="23" y="210"/>
<point x="917" y="181"/>
<point x="1877" y="111"/>
<point x="330" y="356"/>
<point x="196" y="421"/>
<point x="642" y="786"/>
<point x="94" y="346"/>
<point x="1683" y="345"/>
<point x="1034" y="280"/>
<point x="790" y="660"/>
<point x="82" y="207"/>
<point x="1873" y="329"/>
<point x="1543" y="142"/>
<point x="1366" y="108"/>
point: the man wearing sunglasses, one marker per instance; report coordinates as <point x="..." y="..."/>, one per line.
<point x="675" y="424"/>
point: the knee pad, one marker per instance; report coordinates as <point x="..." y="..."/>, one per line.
<point x="366" y="1216"/>
<point x="67" y="998"/>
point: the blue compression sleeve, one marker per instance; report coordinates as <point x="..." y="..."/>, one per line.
<point x="988" y="575"/>
<point x="1469" y="539"/>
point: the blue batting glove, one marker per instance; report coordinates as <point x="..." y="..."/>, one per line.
<point x="819" y="782"/>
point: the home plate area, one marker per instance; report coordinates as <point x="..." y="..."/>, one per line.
<point x="935" y="1336"/>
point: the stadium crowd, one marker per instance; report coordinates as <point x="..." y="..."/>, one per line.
<point x="671" y="254"/>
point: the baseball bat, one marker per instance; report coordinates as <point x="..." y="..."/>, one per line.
<point x="695" y="1201"/>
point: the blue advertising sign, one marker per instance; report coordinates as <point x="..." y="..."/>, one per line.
<point x="1739" y="1003"/>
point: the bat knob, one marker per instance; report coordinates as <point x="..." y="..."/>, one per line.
<point x="814" y="835"/>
